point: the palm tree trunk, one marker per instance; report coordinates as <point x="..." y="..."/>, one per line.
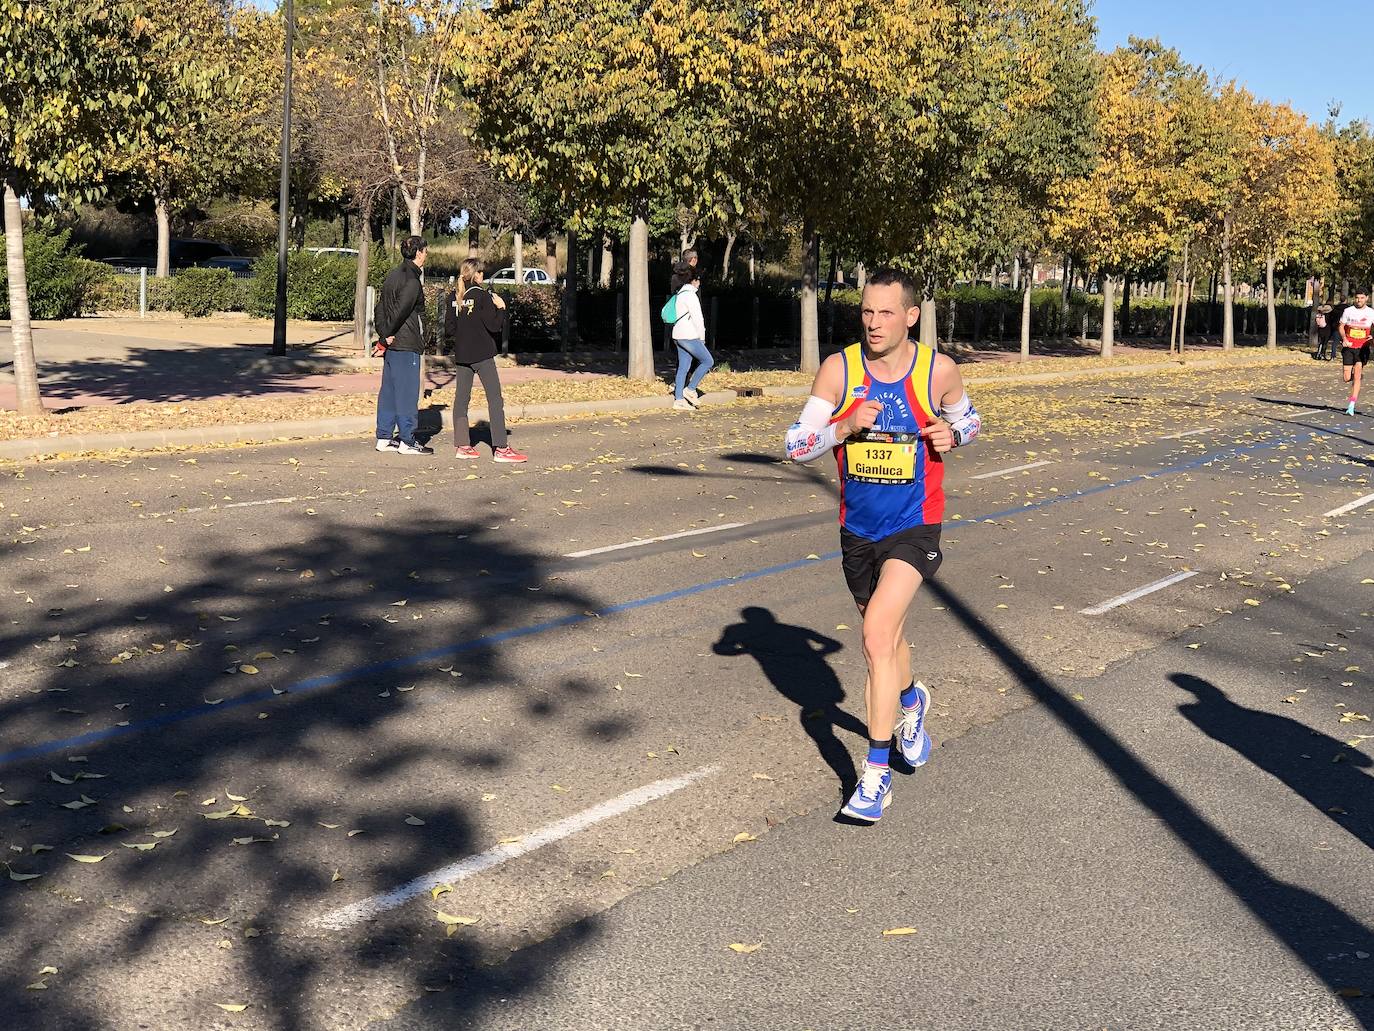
<point x="30" y="401"/>
<point x="519" y="262"/>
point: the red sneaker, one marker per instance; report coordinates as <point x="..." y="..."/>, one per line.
<point x="508" y="454"/>
<point x="466" y="452"/>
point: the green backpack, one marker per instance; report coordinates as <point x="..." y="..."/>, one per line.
<point x="669" y="311"/>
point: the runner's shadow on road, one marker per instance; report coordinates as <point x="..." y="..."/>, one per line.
<point x="1297" y="755"/>
<point x="1317" y="931"/>
<point x="793" y="660"/>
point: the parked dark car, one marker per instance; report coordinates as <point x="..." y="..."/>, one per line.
<point x="183" y="252"/>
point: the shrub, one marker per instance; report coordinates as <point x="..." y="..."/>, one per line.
<point x="318" y="286"/>
<point x="198" y="292"/>
<point x="60" y="281"/>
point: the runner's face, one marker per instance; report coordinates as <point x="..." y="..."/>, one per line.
<point x="887" y="319"/>
<point x="1360" y="300"/>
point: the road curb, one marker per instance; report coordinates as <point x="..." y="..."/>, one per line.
<point x="355" y="425"/>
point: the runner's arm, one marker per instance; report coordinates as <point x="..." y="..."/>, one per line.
<point x="955" y="408"/>
<point x="813" y="434"/>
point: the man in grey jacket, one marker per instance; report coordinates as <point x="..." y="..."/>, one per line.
<point x="400" y="322"/>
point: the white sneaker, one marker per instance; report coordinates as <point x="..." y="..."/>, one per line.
<point x="387" y="445"/>
<point x="692" y="396"/>
<point x="413" y="447"/>
<point x="682" y="405"/>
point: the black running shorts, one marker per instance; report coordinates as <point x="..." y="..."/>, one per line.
<point x="1351" y="355"/>
<point x="863" y="559"/>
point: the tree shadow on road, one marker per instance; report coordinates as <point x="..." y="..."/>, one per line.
<point x="1320" y="933"/>
<point x="336" y="682"/>
<point x="793" y="660"/>
<point x="1300" y="757"/>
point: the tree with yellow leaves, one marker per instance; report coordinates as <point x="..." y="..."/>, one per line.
<point x="1285" y="203"/>
<point x="1131" y="208"/>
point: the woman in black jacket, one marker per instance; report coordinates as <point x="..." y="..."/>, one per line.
<point x="472" y="324"/>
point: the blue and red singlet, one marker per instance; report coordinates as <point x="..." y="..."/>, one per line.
<point x="890" y="479"/>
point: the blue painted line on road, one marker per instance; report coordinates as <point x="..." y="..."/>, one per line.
<point x="516" y="633"/>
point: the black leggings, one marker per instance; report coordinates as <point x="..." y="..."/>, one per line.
<point x="496" y="409"/>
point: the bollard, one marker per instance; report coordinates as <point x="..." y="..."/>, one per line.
<point x="619" y="322"/>
<point x="143" y="293"/>
<point x="715" y="316"/>
<point x="754" y="330"/>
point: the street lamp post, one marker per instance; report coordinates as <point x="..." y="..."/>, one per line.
<point x="284" y="196"/>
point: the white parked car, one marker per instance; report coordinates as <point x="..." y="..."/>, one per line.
<point x="333" y="252"/>
<point x="534" y="276"/>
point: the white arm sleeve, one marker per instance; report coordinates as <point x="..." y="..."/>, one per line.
<point x="963" y="419"/>
<point x="812" y="435"/>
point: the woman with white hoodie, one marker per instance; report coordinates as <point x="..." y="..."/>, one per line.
<point x="689" y="334"/>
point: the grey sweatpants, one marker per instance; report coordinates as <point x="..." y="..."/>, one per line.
<point x="496" y="409"/>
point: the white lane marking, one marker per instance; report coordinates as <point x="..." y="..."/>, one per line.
<point x="370" y="908"/>
<point x="1306" y="411"/>
<point x="1357" y="503"/>
<point x="1189" y="433"/>
<point x="1139" y="592"/>
<point x="653" y="540"/>
<point x="1013" y="469"/>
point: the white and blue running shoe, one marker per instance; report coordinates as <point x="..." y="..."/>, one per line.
<point x="912" y="738"/>
<point x="872" y="796"/>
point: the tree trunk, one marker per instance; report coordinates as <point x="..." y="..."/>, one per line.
<point x="1065" y="290"/>
<point x="1108" y="315"/>
<point x="607" y="261"/>
<point x="730" y="239"/>
<point x="1025" y="318"/>
<point x="1271" y="340"/>
<point x="413" y="205"/>
<point x="860" y="277"/>
<point x="551" y="257"/>
<point x="926" y="325"/>
<point x="810" y="321"/>
<point x="1125" y="306"/>
<point x="360" y="340"/>
<point x="30" y="401"/>
<point x="570" y="294"/>
<point x="519" y="262"/>
<point x="753" y="255"/>
<point x="164" y="238"/>
<point x="392" y="245"/>
<point x="1016" y="273"/>
<point x="1228" y="315"/>
<point x="345" y="230"/>
<point x="474" y="237"/>
<point x="641" y="339"/>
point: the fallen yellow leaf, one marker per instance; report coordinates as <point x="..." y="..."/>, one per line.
<point x="895" y="932"/>
<point x="745" y="949"/>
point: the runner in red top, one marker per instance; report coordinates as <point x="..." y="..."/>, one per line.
<point x="1357" y="324"/>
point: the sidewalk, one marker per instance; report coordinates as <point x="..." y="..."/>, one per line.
<point x="115" y="382"/>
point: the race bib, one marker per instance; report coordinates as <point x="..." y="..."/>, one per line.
<point x="1358" y="334"/>
<point x="882" y="458"/>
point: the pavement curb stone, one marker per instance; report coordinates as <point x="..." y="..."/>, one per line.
<point x="266" y="432"/>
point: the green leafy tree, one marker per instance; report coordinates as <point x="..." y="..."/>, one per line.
<point x="73" y="89"/>
<point x="613" y="103"/>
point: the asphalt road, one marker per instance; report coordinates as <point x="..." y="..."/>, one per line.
<point x="343" y="678"/>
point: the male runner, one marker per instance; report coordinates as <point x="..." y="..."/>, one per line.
<point x="1357" y="322"/>
<point x="889" y="408"/>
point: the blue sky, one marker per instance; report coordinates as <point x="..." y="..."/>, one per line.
<point x="1279" y="50"/>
